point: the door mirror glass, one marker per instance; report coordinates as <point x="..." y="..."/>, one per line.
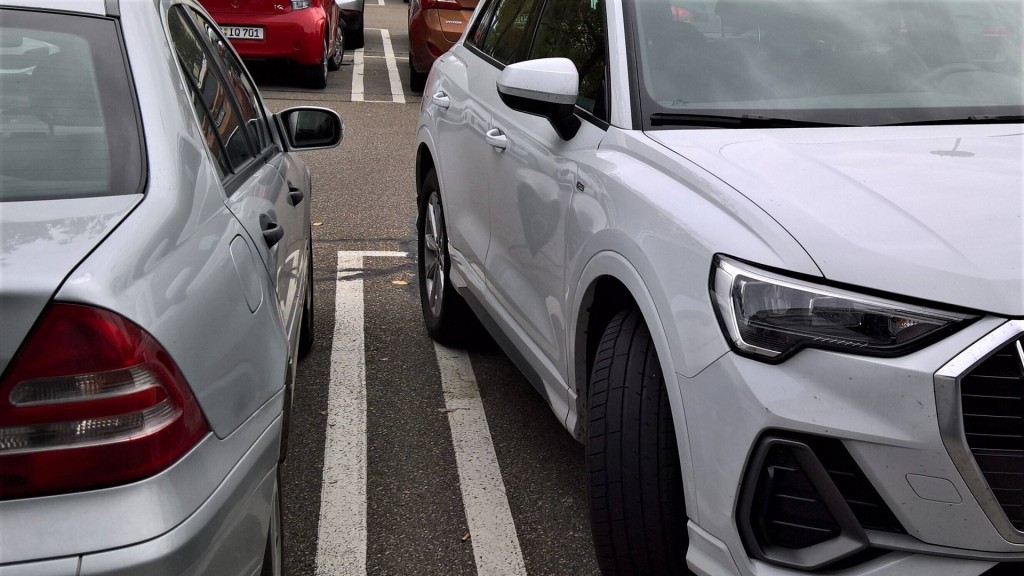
<point x="546" y="87"/>
<point x="310" y="128"/>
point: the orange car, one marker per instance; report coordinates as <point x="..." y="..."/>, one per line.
<point x="434" y="27"/>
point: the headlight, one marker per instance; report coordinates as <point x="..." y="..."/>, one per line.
<point x="300" y="4"/>
<point x="769" y="316"/>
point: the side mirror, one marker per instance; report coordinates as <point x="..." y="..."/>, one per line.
<point x="311" y="128"/>
<point x="546" y="87"/>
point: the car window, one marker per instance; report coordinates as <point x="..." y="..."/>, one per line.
<point x="68" y="122"/>
<point x="217" y="116"/>
<point x="238" y="80"/>
<point x="575" y="29"/>
<point x="839" y="61"/>
<point x="503" y="30"/>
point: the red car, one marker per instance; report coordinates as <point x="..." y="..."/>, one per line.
<point x="307" y="32"/>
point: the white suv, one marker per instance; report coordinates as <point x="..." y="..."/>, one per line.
<point x="764" y="258"/>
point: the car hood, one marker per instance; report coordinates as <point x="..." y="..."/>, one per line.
<point x="40" y="244"/>
<point x="931" y="212"/>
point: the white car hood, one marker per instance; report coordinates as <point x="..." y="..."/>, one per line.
<point x="931" y="212"/>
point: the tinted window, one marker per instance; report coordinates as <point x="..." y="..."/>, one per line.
<point x="68" y="122"/>
<point x="504" y="29"/>
<point x="218" y="118"/>
<point x="575" y="29"/>
<point x="245" y="95"/>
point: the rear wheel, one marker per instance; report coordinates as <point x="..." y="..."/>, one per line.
<point x="275" y="534"/>
<point x="637" y="511"/>
<point x="444" y="311"/>
<point x="417" y="80"/>
<point x="334" y="62"/>
<point x="315" y="76"/>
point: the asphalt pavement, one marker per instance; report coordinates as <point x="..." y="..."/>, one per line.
<point x="402" y="460"/>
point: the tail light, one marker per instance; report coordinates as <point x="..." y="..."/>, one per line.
<point x="91" y="400"/>
<point x="440" y="5"/>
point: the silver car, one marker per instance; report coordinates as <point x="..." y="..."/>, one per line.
<point x="155" y="292"/>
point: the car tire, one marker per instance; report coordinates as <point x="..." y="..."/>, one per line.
<point x="444" y="311"/>
<point x="307" y="334"/>
<point x="417" y="80"/>
<point x="637" y="510"/>
<point x="273" y="554"/>
<point x="355" y="35"/>
<point x="315" y="76"/>
<point x="334" y="62"/>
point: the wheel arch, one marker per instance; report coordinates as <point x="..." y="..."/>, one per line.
<point x="609" y="284"/>
<point x="424" y="164"/>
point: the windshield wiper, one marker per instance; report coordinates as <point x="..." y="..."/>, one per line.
<point x="978" y="119"/>
<point x="741" y="121"/>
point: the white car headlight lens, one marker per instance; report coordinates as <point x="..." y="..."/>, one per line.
<point x="769" y="316"/>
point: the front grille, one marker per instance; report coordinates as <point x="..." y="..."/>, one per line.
<point x="992" y="397"/>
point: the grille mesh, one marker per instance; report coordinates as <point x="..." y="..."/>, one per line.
<point x="992" y="396"/>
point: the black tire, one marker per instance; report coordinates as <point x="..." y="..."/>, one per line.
<point x="273" y="554"/>
<point x="417" y="80"/>
<point x="637" y="510"/>
<point x="355" y="36"/>
<point x="338" y="56"/>
<point x="444" y="311"/>
<point x="315" y="76"/>
<point x="307" y="334"/>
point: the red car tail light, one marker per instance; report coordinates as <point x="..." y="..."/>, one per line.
<point x="440" y="5"/>
<point x="91" y="400"/>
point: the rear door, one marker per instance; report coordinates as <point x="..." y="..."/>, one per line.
<point x="274" y="211"/>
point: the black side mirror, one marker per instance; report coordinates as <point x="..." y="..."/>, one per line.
<point x="311" y="128"/>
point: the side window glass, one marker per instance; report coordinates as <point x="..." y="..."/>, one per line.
<point x="506" y="29"/>
<point x="575" y="29"/>
<point x="249" y="106"/>
<point x="482" y="26"/>
<point x="217" y="117"/>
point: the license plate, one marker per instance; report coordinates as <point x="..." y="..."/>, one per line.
<point x="243" y="32"/>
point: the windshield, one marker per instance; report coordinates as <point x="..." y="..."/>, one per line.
<point x="830" y="61"/>
<point x="69" y="124"/>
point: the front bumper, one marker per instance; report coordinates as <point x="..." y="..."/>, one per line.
<point x="886" y="413"/>
<point x="297" y="35"/>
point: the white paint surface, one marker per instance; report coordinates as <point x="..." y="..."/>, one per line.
<point x="397" y="94"/>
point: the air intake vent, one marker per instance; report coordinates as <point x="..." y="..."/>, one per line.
<point x="992" y="396"/>
<point x="806" y="504"/>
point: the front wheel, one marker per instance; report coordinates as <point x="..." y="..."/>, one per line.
<point x="444" y="311"/>
<point x="637" y="511"/>
<point x="275" y="534"/>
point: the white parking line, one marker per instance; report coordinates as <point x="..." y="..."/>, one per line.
<point x="357" y="75"/>
<point x="341" y="539"/>
<point x="397" y="94"/>
<point x="495" y="543"/>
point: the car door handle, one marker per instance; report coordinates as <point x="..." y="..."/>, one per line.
<point x="441" y="100"/>
<point x="294" y="194"/>
<point x="496" y="138"/>
<point x="272" y="231"/>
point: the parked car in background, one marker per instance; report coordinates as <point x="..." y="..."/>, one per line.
<point x="352" y="14"/>
<point x="309" y="33"/>
<point x="155" y="289"/>
<point x="765" y="259"/>
<point x="434" y="27"/>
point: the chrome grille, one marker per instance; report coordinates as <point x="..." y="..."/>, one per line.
<point x="992" y="399"/>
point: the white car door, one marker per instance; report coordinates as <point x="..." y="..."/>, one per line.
<point x="535" y="179"/>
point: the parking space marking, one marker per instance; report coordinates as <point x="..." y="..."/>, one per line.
<point x="397" y="94"/>
<point x="341" y="537"/>
<point x="496" y="547"/>
<point x="357" y="75"/>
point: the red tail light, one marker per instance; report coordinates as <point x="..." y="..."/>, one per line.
<point x="91" y="400"/>
<point x="440" y="5"/>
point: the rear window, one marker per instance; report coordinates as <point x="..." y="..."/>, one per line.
<point x="68" y="122"/>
